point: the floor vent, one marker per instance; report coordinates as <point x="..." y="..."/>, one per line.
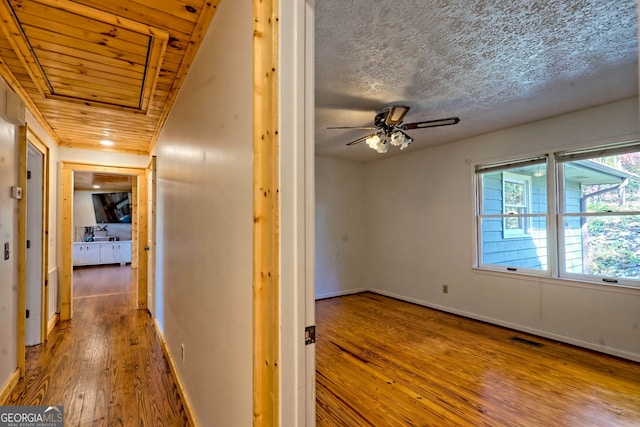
<point x="525" y="341"/>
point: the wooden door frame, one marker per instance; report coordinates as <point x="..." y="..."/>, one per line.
<point x="284" y="366"/>
<point x="26" y="137"/>
<point x="139" y="230"/>
<point x="266" y="220"/>
<point x="150" y="179"/>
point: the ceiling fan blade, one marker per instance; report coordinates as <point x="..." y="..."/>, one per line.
<point x="396" y="114"/>
<point x="430" y="123"/>
<point x="363" y="138"/>
<point x="353" y="127"/>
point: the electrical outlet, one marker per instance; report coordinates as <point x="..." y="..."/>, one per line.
<point x="445" y="289"/>
<point x="182" y="345"/>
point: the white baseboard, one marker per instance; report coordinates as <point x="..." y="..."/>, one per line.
<point x="181" y="390"/>
<point x="53" y="321"/>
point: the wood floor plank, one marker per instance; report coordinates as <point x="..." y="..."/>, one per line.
<point x="383" y="362"/>
<point x="106" y="366"/>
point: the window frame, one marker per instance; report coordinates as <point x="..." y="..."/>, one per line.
<point x="562" y="214"/>
<point x="556" y="256"/>
<point x="480" y="216"/>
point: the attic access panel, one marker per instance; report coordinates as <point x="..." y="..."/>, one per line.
<point x="81" y="54"/>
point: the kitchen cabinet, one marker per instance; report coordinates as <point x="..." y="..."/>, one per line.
<point x="115" y="252"/>
<point x="97" y="253"/>
<point x="108" y="253"/>
<point x="86" y="253"/>
<point x="124" y="251"/>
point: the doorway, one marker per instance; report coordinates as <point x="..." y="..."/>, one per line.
<point x="139" y="230"/>
<point x="33" y="244"/>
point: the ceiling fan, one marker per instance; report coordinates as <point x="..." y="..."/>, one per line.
<point x="388" y="128"/>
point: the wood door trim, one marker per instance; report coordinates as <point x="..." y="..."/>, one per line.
<point x="66" y="234"/>
<point x="22" y="249"/>
<point x="266" y="205"/>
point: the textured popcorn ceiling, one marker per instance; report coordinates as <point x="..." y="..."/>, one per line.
<point x="493" y="63"/>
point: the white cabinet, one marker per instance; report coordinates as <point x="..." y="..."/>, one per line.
<point x="95" y="253"/>
<point x="78" y="254"/>
<point x="108" y="253"/>
<point x="124" y="251"/>
<point x="86" y="253"/>
<point x="115" y="252"/>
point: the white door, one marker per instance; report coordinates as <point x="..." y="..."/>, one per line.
<point x="34" y="261"/>
<point x="309" y="210"/>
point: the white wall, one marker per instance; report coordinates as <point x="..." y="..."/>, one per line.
<point x="8" y="234"/>
<point x="205" y="220"/>
<point x="83" y="214"/>
<point x="340" y="222"/>
<point x="420" y="235"/>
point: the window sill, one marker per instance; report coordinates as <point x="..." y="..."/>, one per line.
<point x="539" y="278"/>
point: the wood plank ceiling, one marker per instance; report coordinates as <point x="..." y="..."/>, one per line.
<point x="101" y="182"/>
<point x="94" y="70"/>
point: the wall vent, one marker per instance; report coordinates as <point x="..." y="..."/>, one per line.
<point x="526" y="341"/>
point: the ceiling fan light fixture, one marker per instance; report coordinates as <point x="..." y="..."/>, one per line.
<point x="376" y="143"/>
<point x="400" y="139"/>
<point x="373" y="141"/>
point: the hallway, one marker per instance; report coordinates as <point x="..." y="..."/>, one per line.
<point x="106" y="366"/>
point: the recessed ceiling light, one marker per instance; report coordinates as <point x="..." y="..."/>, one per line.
<point x="106" y="143"/>
<point x="96" y="186"/>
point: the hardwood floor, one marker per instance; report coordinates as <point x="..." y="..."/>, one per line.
<point x="383" y="362"/>
<point x="106" y="366"/>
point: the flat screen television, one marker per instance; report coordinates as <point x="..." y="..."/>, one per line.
<point x="112" y="207"/>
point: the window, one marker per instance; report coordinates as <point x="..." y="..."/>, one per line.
<point x="513" y="215"/>
<point x="594" y="216"/>
<point x="599" y="219"/>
